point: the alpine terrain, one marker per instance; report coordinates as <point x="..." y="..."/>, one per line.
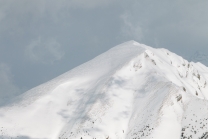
<point x="132" y="91"/>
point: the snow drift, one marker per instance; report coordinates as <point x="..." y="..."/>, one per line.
<point x="131" y="91"/>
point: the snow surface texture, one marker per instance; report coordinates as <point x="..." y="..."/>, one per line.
<point x="131" y="91"/>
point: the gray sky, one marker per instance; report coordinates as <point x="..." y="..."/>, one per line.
<point x="41" y="39"/>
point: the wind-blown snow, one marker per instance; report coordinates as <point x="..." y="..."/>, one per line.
<point x="132" y="91"/>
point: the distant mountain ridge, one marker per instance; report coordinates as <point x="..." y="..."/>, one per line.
<point x="132" y="91"/>
<point x="199" y="57"/>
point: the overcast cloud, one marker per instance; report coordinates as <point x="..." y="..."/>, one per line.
<point x="45" y="51"/>
<point x="7" y="88"/>
<point x="41" y="39"/>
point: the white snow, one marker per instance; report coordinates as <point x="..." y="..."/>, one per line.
<point x="132" y="91"/>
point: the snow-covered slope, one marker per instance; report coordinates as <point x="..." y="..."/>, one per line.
<point x="131" y="91"/>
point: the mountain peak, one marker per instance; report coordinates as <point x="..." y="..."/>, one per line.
<point x="131" y="91"/>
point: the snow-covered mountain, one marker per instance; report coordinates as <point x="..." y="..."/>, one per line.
<point x="132" y="91"/>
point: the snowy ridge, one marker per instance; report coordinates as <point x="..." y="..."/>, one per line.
<point x="132" y="91"/>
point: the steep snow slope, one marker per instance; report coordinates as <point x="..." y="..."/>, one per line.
<point x="131" y="91"/>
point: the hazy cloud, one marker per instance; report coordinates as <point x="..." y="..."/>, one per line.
<point x="131" y="29"/>
<point x="90" y="3"/>
<point x="44" y="51"/>
<point x="7" y="88"/>
<point x="41" y="8"/>
<point x="170" y="24"/>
